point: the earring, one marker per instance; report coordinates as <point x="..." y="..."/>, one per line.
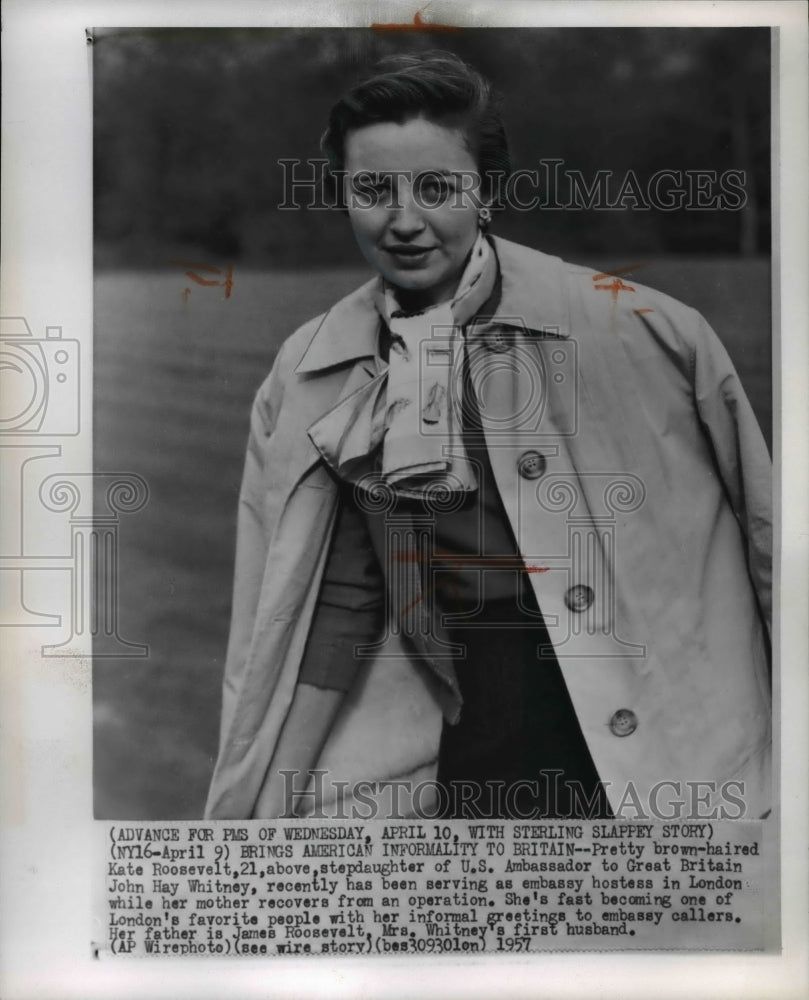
<point x="484" y="217"/>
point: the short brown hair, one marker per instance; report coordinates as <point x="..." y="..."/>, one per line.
<point x="438" y="86"/>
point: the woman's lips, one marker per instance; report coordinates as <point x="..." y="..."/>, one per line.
<point x="409" y="256"/>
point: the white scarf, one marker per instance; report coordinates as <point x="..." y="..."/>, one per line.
<point x="413" y="406"/>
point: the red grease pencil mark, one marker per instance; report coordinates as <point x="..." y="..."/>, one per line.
<point x="412" y="604"/>
<point x="417" y="25"/>
<point x="615" y="286"/>
<point x="449" y="560"/>
<point x="227" y="284"/>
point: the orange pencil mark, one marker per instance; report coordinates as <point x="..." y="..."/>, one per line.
<point x="640" y="312"/>
<point x="211" y="282"/>
<point x="615" y="286"/>
<point x="417" y="25"/>
<point x="450" y="560"/>
<point x="412" y="604"/>
<point x="193" y="266"/>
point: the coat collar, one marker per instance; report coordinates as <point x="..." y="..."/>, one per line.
<point x="532" y="296"/>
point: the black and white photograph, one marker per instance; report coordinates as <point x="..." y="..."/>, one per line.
<point x="401" y="547"/>
<point x="491" y="311"/>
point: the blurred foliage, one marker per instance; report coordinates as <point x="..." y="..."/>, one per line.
<point x="190" y="125"/>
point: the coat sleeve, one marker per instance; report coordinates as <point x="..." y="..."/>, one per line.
<point x="741" y="455"/>
<point x="252" y="542"/>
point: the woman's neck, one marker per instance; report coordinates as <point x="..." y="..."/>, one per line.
<point x="413" y="300"/>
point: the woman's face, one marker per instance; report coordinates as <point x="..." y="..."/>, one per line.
<point x="412" y="191"/>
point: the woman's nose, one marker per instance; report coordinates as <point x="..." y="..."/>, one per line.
<point x="407" y="218"/>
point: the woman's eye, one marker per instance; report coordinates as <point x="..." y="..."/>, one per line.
<point x="434" y="190"/>
<point x="371" y="189"/>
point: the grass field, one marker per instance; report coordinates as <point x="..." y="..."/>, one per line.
<point x="174" y="377"/>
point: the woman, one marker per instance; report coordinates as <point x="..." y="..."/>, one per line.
<point x="503" y="539"/>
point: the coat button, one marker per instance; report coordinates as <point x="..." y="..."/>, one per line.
<point x="498" y="340"/>
<point x="624" y="722"/>
<point x="532" y="464"/>
<point x="579" y="598"/>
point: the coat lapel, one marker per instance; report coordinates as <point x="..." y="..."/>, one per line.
<point x="331" y="368"/>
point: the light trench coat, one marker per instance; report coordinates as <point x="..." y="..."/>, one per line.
<point x="653" y="491"/>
